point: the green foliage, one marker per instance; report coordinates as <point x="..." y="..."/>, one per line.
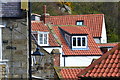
<point x="113" y="37"/>
<point x="110" y="9"/>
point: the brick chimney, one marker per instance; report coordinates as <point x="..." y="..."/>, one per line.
<point x="56" y="57"/>
<point x="44" y="9"/>
<point x="44" y="15"/>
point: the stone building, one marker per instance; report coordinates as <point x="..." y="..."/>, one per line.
<point x="13" y="41"/>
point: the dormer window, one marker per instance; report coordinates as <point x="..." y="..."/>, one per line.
<point x="43" y="38"/>
<point x="79" y="41"/>
<point x="80" y="23"/>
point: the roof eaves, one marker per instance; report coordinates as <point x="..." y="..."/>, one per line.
<point x="71" y="26"/>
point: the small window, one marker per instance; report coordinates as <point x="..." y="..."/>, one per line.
<point x="33" y="17"/>
<point x="74" y="41"/>
<point x="79" y="41"/>
<point x="83" y="41"/>
<point x="43" y="39"/>
<point x="79" y="23"/>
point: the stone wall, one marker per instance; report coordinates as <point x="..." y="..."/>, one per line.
<point x="15" y="48"/>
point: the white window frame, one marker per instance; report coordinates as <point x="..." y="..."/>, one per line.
<point x="81" y="41"/>
<point x="0" y="43"/>
<point x="2" y="24"/>
<point x="43" y="33"/>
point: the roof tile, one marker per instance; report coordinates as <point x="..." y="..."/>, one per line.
<point x="107" y="44"/>
<point x="108" y="65"/>
<point x="70" y="73"/>
<point x="93" y="21"/>
<point x="75" y="29"/>
<point x="93" y="48"/>
<point x="40" y="26"/>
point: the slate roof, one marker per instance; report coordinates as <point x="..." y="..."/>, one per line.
<point x="106" y="66"/>
<point x="40" y="26"/>
<point x="92" y="21"/>
<point x="93" y="48"/>
<point x="10" y="9"/>
<point x="75" y="29"/>
<point x="70" y="73"/>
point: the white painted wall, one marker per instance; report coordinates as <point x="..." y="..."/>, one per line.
<point x="37" y="18"/>
<point x="103" y="35"/>
<point x="60" y="49"/>
<point x="0" y="43"/>
<point x="49" y="49"/>
<point x="97" y="40"/>
<point x="78" y="60"/>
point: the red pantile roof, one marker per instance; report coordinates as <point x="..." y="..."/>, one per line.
<point x="106" y="66"/>
<point x="70" y="73"/>
<point x="107" y="44"/>
<point x="93" y="21"/>
<point x="75" y="29"/>
<point x="93" y="48"/>
<point x="39" y="26"/>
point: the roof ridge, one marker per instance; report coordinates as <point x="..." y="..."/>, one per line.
<point x="100" y="59"/>
<point x="81" y="15"/>
<point x="54" y="35"/>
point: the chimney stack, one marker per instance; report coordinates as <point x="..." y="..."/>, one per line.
<point x="44" y="15"/>
<point x="44" y="9"/>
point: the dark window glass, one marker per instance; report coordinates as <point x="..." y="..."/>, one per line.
<point x="79" y="41"/>
<point x="74" y="41"/>
<point x="41" y="38"/>
<point x="45" y="38"/>
<point x="83" y="41"/>
<point x="33" y="17"/>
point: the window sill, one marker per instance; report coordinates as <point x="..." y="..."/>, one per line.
<point x="3" y="61"/>
<point x="80" y="48"/>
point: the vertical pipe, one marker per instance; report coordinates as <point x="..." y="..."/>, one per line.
<point x="30" y="46"/>
<point x="64" y="61"/>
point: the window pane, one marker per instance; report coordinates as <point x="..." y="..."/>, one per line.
<point x="41" y="38"/>
<point x="33" y="17"/>
<point x="74" y="41"/>
<point x="45" y="38"/>
<point x="79" y="41"/>
<point x="83" y="41"/>
<point x="79" y="23"/>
